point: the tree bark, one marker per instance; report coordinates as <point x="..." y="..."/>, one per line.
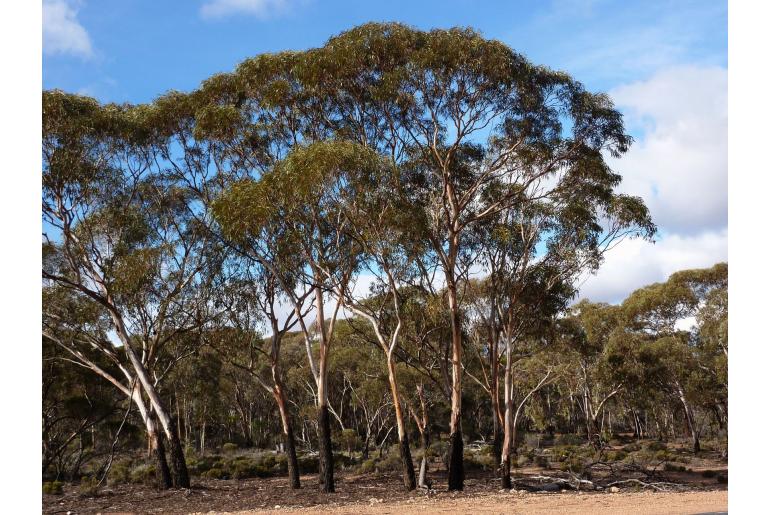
<point x="424" y="443"/>
<point x="456" y="468"/>
<point x="325" y="456"/>
<point x="162" y="472"/>
<point x="288" y="437"/>
<point x="407" y="465"/>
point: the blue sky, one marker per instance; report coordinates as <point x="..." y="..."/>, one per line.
<point x="664" y="63"/>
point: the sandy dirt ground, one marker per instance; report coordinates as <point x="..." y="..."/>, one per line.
<point x="538" y="504"/>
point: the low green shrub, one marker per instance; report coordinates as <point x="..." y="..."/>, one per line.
<point x="673" y="467"/>
<point x="569" y="439"/>
<point x="143" y="474"/>
<point x="53" y="487"/>
<point x="522" y="461"/>
<point x="477" y="461"/>
<point x="88" y="487"/>
<point x="618" y="455"/>
<point x="229" y="448"/>
<point x="307" y="464"/>
<point x="215" y="473"/>
<point x="632" y="447"/>
<point x="655" y="445"/>
<point x="120" y="472"/>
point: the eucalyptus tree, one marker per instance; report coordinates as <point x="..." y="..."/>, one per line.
<point x="125" y="240"/>
<point x="304" y="194"/>
<point x="686" y="363"/>
<point x="255" y="298"/>
<point x="481" y="129"/>
<point x="586" y="334"/>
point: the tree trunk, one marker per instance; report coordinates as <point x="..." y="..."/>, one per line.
<point x="325" y="456"/>
<point x="162" y="472"/>
<point x="424" y="443"/>
<point x="288" y="437"/>
<point x="508" y="443"/>
<point x="178" y="463"/>
<point x="291" y="458"/>
<point x="456" y="469"/>
<point x="181" y="476"/>
<point x="407" y="465"/>
<point x="154" y="440"/>
<point x="690" y="420"/>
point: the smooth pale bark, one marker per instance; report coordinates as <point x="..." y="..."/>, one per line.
<point x="388" y="347"/>
<point x="133" y="392"/>
<point x="690" y="419"/>
<point x="178" y="463"/>
<point x="407" y="465"/>
<point x="456" y="477"/>
<point x="505" y="455"/>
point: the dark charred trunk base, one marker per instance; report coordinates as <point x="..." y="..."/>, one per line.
<point x="178" y="463"/>
<point x="456" y="468"/>
<point x="325" y="457"/>
<point x="696" y="445"/>
<point x="497" y="444"/>
<point x="291" y="459"/>
<point x="505" y="472"/>
<point x="162" y="472"/>
<point x="407" y="466"/>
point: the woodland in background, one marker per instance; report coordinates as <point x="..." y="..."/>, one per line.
<point x="352" y="257"/>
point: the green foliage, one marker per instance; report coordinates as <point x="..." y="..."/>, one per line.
<point x="53" y="487"/>
<point x="229" y="448"/>
<point x="89" y="486"/>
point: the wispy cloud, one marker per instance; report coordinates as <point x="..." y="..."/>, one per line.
<point x="261" y="9"/>
<point x="62" y="32"/>
<point x="679" y="164"/>
<point x="621" y="41"/>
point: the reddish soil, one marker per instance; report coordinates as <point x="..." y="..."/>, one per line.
<point x="384" y="493"/>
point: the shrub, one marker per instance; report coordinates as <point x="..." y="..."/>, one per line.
<point x="120" y="472"/>
<point x="569" y="439"/>
<point x="541" y="460"/>
<point x="437" y="449"/>
<point x="722" y="479"/>
<point x="522" y="461"/>
<point x="618" y="455"/>
<point x="479" y="461"/>
<point x="215" y="473"/>
<point x="143" y="474"/>
<point x="229" y="448"/>
<point x="389" y="463"/>
<point x="532" y="440"/>
<point x="53" y="487"/>
<point x="672" y="467"/>
<point x="367" y="466"/>
<point x="632" y="447"/>
<point x="574" y="464"/>
<point x="88" y="487"/>
<point x="307" y="464"/>
<point x="709" y="473"/>
<point x="655" y="445"/>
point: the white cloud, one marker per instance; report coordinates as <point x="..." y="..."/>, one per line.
<point x="262" y="9"/>
<point x="62" y="32"/>
<point x="636" y="263"/>
<point x="679" y="166"/>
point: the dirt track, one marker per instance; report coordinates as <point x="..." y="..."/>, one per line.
<point x="538" y="504"/>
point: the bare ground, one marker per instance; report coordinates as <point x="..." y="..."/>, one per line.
<point x="384" y="493"/>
